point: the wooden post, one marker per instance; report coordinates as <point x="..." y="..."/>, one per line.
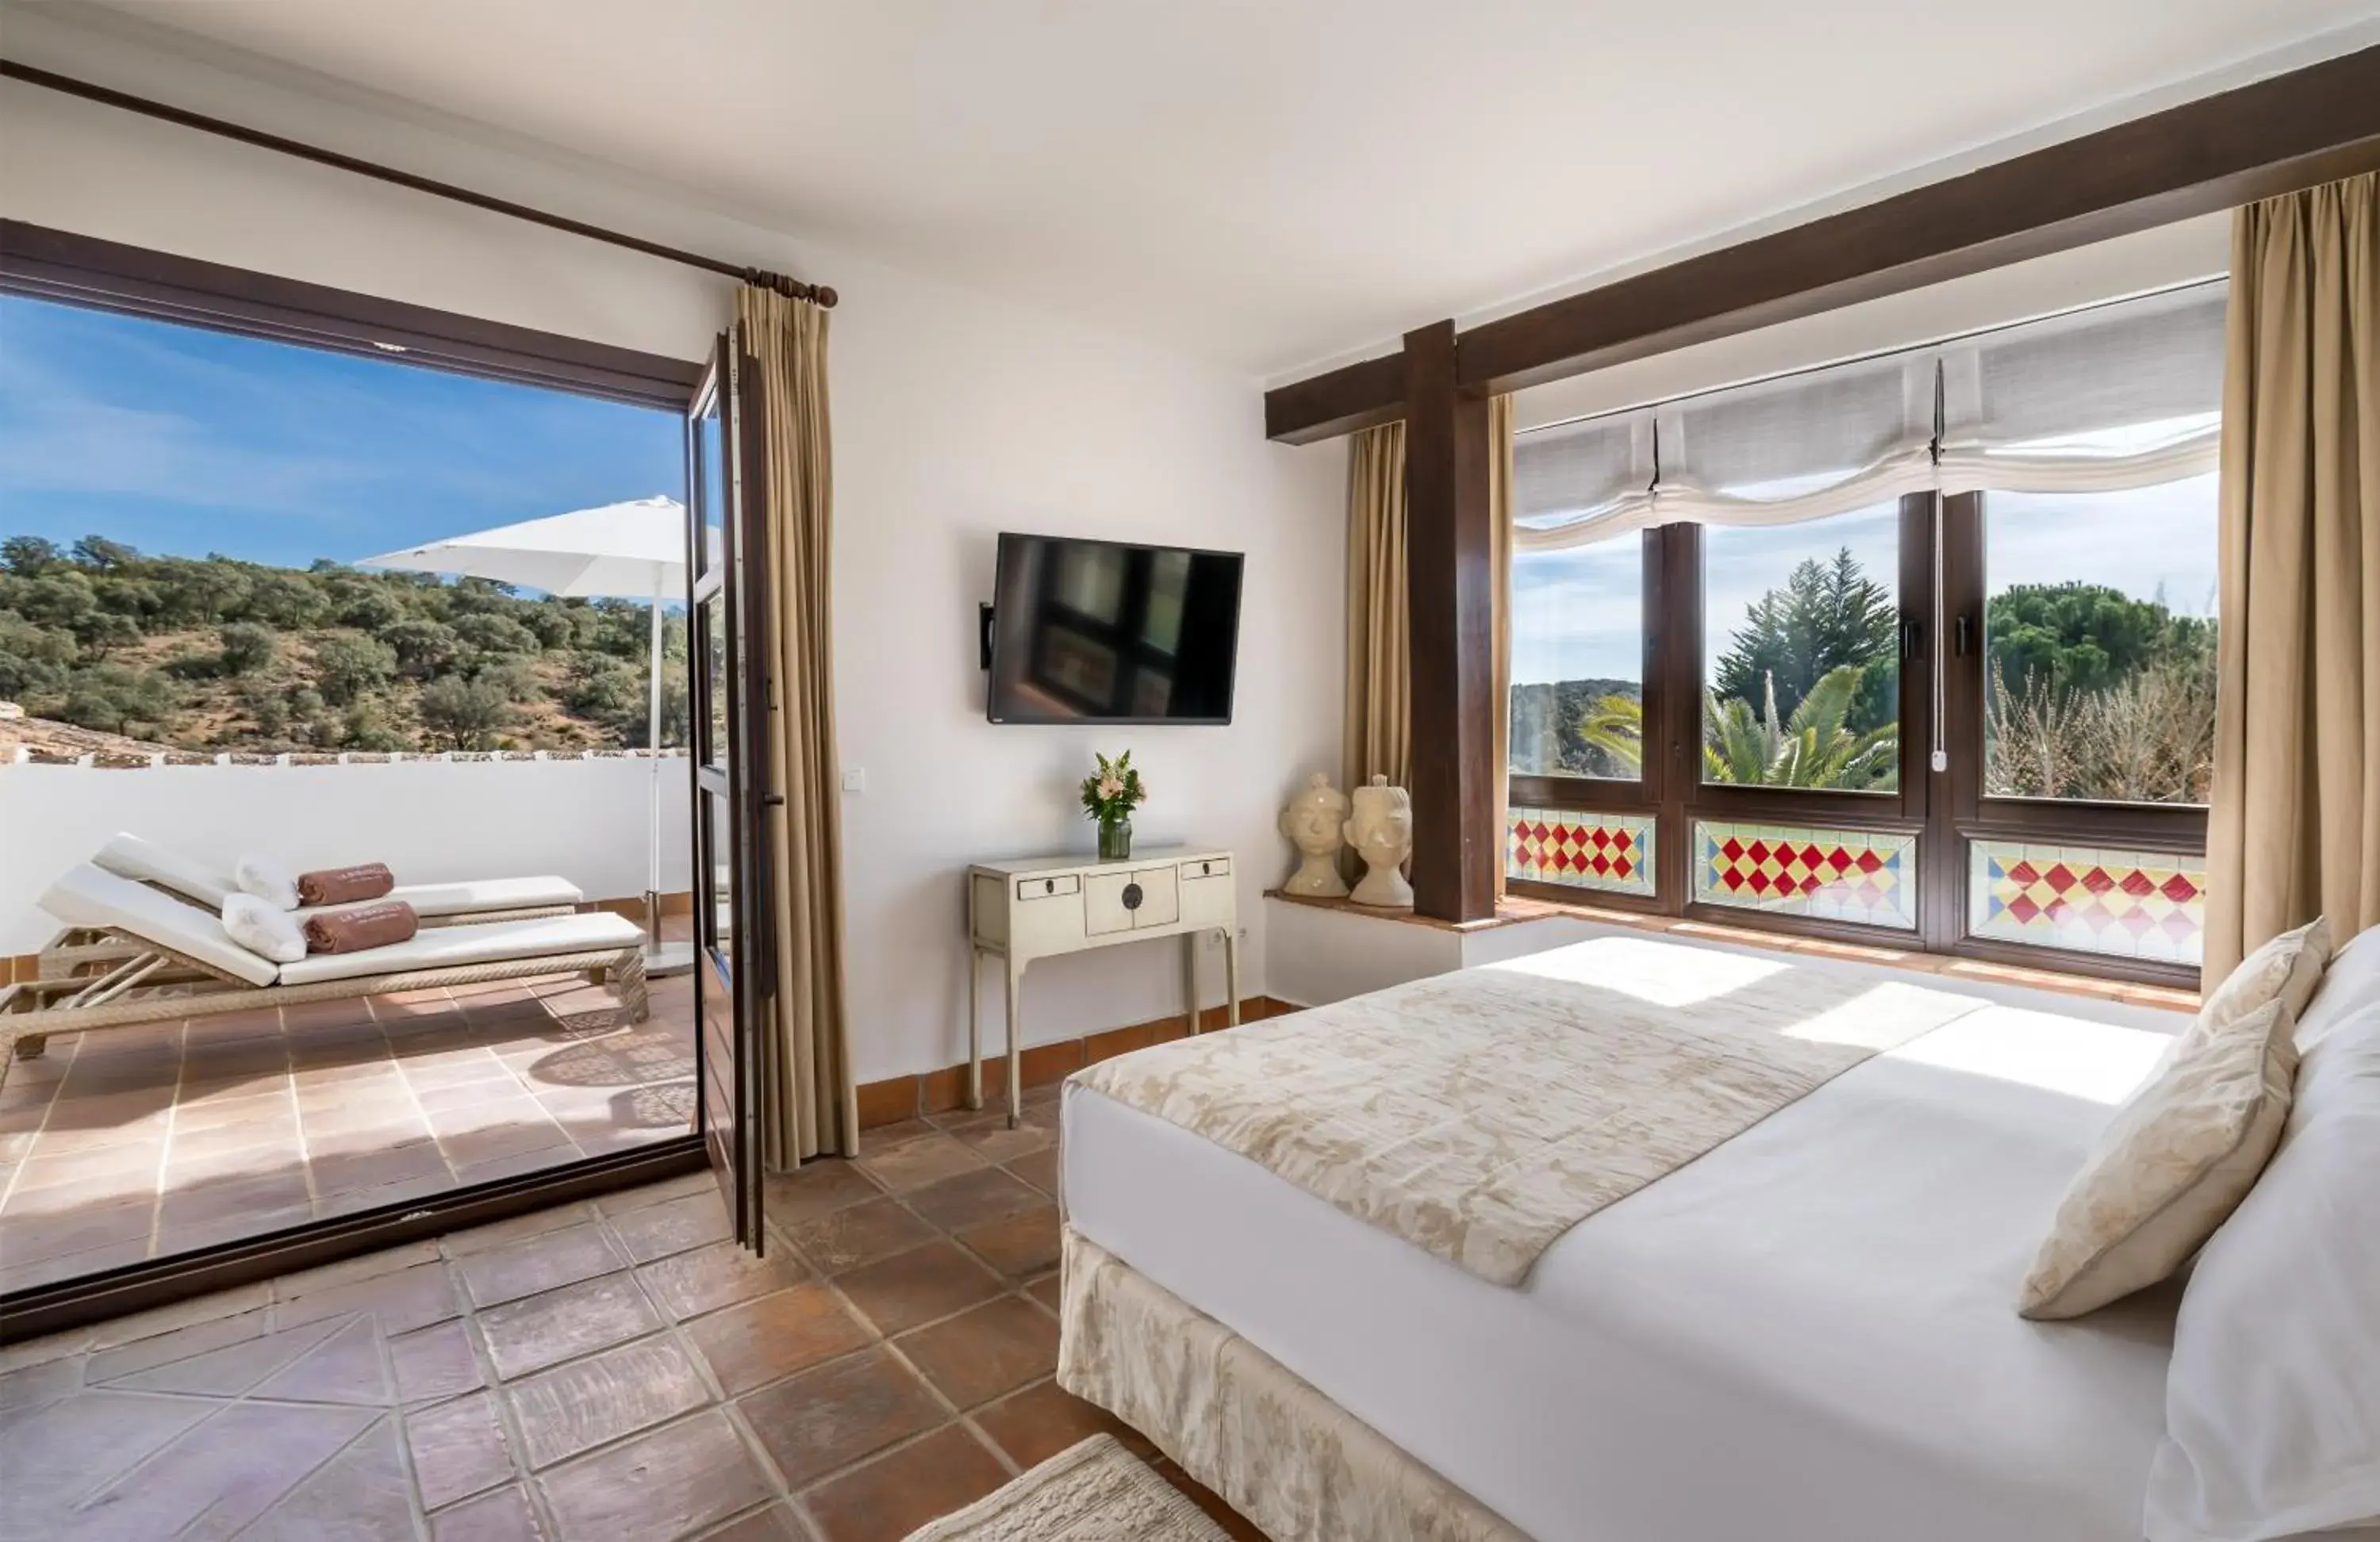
<point x="1449" y="589"/>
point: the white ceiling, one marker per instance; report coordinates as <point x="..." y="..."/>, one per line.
<point x="1273" y="183"/>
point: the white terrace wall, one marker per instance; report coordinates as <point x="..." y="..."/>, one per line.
<point x="428" y="819"/>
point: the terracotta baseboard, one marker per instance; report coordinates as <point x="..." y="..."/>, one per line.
<point x="898" y="1098"/>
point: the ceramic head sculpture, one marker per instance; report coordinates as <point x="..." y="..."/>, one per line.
<point x="1313" y="822"/>
<point x="1381" y="832"/>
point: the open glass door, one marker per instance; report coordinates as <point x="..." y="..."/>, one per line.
<point x="728" y="610"/>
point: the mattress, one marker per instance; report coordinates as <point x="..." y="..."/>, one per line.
<point x="1806" y="1335"/>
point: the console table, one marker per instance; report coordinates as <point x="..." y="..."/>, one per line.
<point x="1041" y="907"/>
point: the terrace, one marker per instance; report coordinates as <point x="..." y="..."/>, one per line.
<point x="139" y="1143"/>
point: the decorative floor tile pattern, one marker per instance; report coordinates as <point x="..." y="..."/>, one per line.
<point x="1869" y="877"/>
<point x="1611" y="851"/>
<point x="141" y="1143"/>
<point x="2090" y="899"/>
<point x="604" y="1372"/>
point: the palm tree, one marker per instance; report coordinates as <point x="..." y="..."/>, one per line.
<point x="1613" y="727"/>
<point x="1815" y="747"/>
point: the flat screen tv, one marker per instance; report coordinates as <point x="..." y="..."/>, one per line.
<point x="1099" y="631"/>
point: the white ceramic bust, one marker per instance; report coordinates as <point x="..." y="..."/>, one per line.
<point x="1313" y="822"/>
<point x="1381" y="830"/>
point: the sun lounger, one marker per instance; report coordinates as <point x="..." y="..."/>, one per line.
<point x="482" y="899"/>
<point x="177" y="961"/>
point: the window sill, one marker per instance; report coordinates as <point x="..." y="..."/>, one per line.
<point x="1514" y="908"/>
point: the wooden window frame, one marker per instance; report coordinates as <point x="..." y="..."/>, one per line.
<point x="1944" y="810"/>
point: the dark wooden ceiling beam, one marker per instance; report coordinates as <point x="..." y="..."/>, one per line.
<point x="1340" y="400"/>
<point x="2273" y="136"/>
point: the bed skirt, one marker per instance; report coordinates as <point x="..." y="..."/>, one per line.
<point x="1300" y="1466"/>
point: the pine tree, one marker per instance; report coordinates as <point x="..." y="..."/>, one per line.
<point x="1827" y="615"/>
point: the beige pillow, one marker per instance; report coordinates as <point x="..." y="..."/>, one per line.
<point x="2288" y="969"/>
<point x="2176" y="1161"/>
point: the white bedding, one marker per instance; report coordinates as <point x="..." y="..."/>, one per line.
<point x="1806" y="1335"/>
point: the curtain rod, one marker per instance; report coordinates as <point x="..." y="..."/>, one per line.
<point x="757" y="277"/>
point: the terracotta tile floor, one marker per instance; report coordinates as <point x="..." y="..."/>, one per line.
<point x="138" y="1143"/>
<point x="610" y="1372"/>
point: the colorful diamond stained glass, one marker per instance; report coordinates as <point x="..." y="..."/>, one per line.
<point x="1612" y="852"/>
<point x="2089" y="899"/>
<point x="1836" y="875"/>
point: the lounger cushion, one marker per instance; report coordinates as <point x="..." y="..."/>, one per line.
<point x="90" y="896"/>
<point x="129" y="855"/>
<point x="483" y="942"/>
<point x="471" y="896"/>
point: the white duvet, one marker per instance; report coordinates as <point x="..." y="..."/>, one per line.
<point x="1807" y="1335"/>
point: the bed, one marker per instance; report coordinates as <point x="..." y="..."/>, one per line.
<point x="1804" y="1335"/>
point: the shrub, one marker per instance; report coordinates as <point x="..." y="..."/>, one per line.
<point x="348" y="664"/>
<point x="465" y="714"/>
<point x="423" y="646"/>
<point x="247" y="648"/>
<point x="33" y="660"/>
<point x="484" y="632"/>
<point x="116" y="698"/>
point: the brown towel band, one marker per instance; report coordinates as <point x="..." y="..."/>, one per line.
<point x="365" y="881"/>
<point x="364" y="926"/>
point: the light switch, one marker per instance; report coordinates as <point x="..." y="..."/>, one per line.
<point x="855" y="779"/>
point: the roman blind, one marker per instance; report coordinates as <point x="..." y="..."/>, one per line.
<point x="2120" y="396"/>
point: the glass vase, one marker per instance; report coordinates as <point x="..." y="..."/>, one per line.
<point x="1115" y="838"/>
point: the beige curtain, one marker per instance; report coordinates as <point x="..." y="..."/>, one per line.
<point x="2295" y="827"/>
<point x="1379" y="715"/>
<point x="1500" y="550"/>
<point x="811" y="1104"/>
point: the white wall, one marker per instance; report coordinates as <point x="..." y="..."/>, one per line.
<point x="429" y="820"/>
<point x="956" y="416"/>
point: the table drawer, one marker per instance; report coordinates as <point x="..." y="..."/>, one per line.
<point x="1207" y="867"/>
<point x="1049" y="887"/>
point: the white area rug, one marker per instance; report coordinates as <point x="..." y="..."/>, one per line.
<point x="1093" y="1492"/>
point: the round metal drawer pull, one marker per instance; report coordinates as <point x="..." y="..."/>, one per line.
<point x="1132" y="896"/>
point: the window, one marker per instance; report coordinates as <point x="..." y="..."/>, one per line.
<point x="2099" y="644"/>
<point x="1578" y="661"/>
<point x="1802" y="679"/>
<point x="1923" y="647"/>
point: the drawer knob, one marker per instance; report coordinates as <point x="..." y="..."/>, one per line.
<point x="1049" y="885"/>
<point x="1132" y="896"/>
<point x="1206" y="868"/>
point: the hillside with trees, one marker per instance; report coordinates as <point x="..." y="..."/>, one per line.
<point x="215" y="654"/>
<point x="2091" y="694"/>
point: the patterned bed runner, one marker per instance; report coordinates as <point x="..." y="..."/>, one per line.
<point x="1480" y="1116"/>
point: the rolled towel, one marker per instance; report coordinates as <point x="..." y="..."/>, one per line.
<point x="359" y="927"/>
<point x="365" y="881"/>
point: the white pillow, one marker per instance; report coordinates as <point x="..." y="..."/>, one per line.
<point x="2288" y="967"/>
<point x="263" y="929"/>
<point x="2273" y="1396"/>
<point x="2352" y="981"/>
<point x="268" y="880"/>
<point x="2173" y="1163"/>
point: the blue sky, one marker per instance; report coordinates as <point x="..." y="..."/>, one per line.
<point x="178" y="439"/>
